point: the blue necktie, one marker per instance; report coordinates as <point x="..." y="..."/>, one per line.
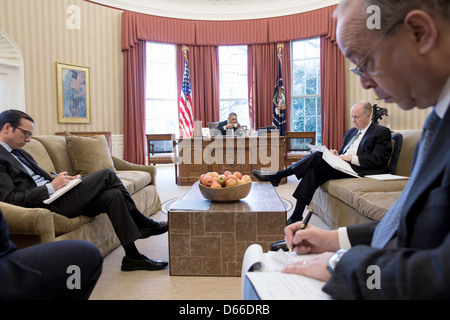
<point x="389" y="224"/>
<point x="351" y="142"/>
<point x="25" y="161"/>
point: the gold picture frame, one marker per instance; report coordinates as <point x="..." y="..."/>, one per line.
<point x="73" y="85"/>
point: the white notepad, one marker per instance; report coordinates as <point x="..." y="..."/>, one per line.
<point x="58" y="193"/>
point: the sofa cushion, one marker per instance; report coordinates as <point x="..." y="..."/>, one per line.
<point x="134" y="180"/>
<point x="348" y="190"/>
<point x="409" y="142"/>
<point x="374" y="205"/>
<point x="397" y="140"/>
<point x="89" y="154"/>
<point x="57" y="150"/>
<point x="64" y="225"/>
<point x="40" y="154"/>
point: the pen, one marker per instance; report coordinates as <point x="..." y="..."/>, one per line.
<point x="53" y="173"/>
<point x="303" y="226"/>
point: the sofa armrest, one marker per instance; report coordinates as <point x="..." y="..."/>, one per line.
<point x="122" y="165"/>
<point x="29" y="221"/>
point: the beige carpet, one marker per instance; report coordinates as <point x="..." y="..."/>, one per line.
<point x="159" y="285"/>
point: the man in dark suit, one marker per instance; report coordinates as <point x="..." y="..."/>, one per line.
<point x="231" y="123"/>
<point x="406" y="254"/>
<point x="24" y="183"/>
<point x="61" y="270"/>
<point x="367" y="148"/>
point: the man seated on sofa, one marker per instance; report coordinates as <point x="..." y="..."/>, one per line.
<point x="367" y="147"/>
<point x="231" y="123"/>
<point x="24" y="183"/>
<point x="42" y="272"/>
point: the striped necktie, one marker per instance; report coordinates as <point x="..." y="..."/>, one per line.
<point x="351" y="142"/>
<point x="389" y="224"/>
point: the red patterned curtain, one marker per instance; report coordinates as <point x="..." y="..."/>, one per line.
<point x="261" y="35"/>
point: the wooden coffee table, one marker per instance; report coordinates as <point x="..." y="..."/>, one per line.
<point x="211" y="241"/>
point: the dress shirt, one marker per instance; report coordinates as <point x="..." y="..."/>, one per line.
<point x="440" y="108"/>
<point x="39" y="180"/>
<point x="353" y="149"/>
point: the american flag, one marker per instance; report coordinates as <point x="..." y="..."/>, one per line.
<point x="185" y="109"/>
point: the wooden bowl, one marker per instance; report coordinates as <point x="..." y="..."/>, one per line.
<point x="226" y="194"/>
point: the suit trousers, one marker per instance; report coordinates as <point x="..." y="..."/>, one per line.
<point x="103" y="192"/>
<point x="46" y="271"/>
<point x="313" y="171"/>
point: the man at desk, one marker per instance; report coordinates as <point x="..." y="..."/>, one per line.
<point x="231" y="123"/>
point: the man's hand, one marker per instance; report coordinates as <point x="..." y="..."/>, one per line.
<point x="313" y="267"/>
<point x="346" y="158"/>
<point x="311" y="239"/>
<point x="62" y="179"/>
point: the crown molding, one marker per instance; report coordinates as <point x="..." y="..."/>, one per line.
<point x="217" y="9"/>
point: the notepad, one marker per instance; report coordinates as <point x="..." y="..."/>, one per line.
<point x="386" y="177"/>
<point x="334" y="161"/>
<point x="58" y="193"/>
<point x="271" y="284"/>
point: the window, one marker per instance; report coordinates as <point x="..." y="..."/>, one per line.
<point x="305" y="106"/>
<point x="161" y="105"/>
<point x="233" y="83"/>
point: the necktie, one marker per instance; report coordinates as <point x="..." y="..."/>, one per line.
<point x="388" y="225"/>
<point x="25" y="161"/>
<point x="351" y="142"/>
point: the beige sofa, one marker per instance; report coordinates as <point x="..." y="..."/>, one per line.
<point x="82" y="155"/>
<point x="351" y="201"/>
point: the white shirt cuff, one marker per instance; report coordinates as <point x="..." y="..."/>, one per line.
<point x="344" y="241"/>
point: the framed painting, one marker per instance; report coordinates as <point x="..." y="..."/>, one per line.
<point x="73" y="84"/>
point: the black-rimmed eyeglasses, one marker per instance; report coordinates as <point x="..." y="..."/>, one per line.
<point x="26" y="133"/>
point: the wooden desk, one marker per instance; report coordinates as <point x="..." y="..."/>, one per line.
<point x="243" y="154"/>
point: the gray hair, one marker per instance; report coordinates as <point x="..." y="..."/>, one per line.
<point x="393" y="12"/>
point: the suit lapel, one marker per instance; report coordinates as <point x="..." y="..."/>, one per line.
<point x="433" y="163"/>
<point x="365" y="137"/>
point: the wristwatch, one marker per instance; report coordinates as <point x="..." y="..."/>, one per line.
<point x="334" y="259"/>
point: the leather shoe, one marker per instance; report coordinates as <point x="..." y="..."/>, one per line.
<point x="266" y="177"/>
<point x="159" y="228"/>
<point x="129" y="264"/>
<point x="279" y="245"/>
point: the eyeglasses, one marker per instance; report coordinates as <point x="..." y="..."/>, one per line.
<point x="360" y="69"/>
<point x="26" y="133"/>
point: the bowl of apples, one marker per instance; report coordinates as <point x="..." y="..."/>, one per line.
<point x="224" y="187"/>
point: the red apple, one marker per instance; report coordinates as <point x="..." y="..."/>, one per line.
<point x="216" y="185"/>
<point x="238" y="175"/>
<point x="231" y="183"/>
<point x="207" y="181"/>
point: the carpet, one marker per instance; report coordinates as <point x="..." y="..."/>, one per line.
<point x="169" y="203"/>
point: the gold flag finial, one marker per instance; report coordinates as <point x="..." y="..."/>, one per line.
<point x="185" y="50"/>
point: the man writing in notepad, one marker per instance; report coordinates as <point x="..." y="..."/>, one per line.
<point x="406" y="62"/>
<point x="24" y="183"/>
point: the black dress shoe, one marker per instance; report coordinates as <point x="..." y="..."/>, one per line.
<point x="129" y="264"/>
<point x="266" y="177"/>
<point x="159" y="228"/>
<point x="279" y="245"/>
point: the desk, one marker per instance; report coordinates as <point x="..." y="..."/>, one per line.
<point x="212" y="242"/>
<point x="219" y="154"/>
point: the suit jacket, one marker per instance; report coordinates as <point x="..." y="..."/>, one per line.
<point x="418" y="267"/>
<point x="374" y="150"/>
<point x="16" y="185"/>
<point x="220" y="126"/>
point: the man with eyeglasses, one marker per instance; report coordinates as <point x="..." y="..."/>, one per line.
<point x="24" y="183"/>
<point x="406" y="254"/>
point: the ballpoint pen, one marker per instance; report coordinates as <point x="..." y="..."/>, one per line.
<point x="303" y="226"/>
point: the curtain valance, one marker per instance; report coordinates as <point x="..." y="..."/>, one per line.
<point x="138" y="26"/>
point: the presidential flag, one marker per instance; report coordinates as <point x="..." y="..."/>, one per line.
<point x="185" y="108"/>
<point x="279" y="102"/>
